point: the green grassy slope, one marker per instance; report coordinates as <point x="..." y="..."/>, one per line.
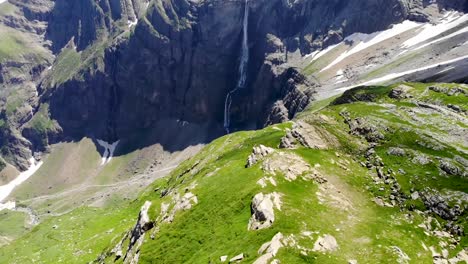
<point x="354" y="205"/>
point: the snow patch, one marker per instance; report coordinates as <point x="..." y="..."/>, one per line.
<point x="456" y="33"/>
<point x="393" y="76"/>
<point x="132" y="23"/>
<point x="5" y="190"/>
<point x="450" y="20"/>
<point x="7" y="206"/>
<point x="108" y="150"/>
<point x="340" y="76"/>
<point x="2" y="1"/>
<point x="317" y="54"/>
<point x="367" y="40"/>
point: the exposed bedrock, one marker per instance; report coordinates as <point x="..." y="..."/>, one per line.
<point x="177" y="60"/>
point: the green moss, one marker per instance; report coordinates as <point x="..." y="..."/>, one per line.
<point x="67" y="64"/>
<point x="11" y="45"/>
<point x="7" y="9"/>
<point x="13" y="224"/>
<point x="41" y="121"/>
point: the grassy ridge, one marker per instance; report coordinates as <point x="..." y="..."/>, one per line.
<point x="217" y="225"/>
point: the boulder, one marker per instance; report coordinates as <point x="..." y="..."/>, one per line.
<point x="237" y="258"/>
<point x="305" y="135"/>
<point x="396" y="152"/>
<point x="326" y="243"/>
<point x="181" y="203"/>
<point x="290" y="165"/>
<point x="262" y="208"/>
<point x="421" y="159"/>
<point x="449" y="168"/>
<point x="143" y="224"/>
<point x="401" y="92"/>
<point x="363" y="127"/>
<point x="438" y="205"/>
<point x="269" y="249"/>
<point x="258" y="153"/>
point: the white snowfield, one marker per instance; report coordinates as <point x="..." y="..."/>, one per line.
<point x="424" y="32"/>
<point x="2" y="1"/>
<point x="130" y="23"/>
<point x="108" y="150"/>
<point x="367" y="40"/>
<point x="5" y="190"/>
<point x="7" y="206"/>
<point x="429" y="31"/>
<point x="393" y="76"/>
<point x="349" y="63"/>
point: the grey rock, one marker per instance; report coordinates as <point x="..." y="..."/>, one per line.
<point x="396" y="152"/>
<point x="421" y="159"/>
<point x="237" y="258"/>
<point x="438" y="205"/>
<point x="258" y="153"/>
<point x="401" y="92"/>
<point x="262" y="208"/>
<point x="449" y="168"/>
<point x="305" y="135"/>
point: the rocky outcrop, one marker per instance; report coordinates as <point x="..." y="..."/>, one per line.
<point x="178" y="37"/>
<point x="325" y="243"/>
<point x="180" y="203"/>
<point x="450" y="169"/>
<point x="289" y="165"/>
<point x="258" y="153"/>
<point x="401" y="92"/>
<point x="89" y="20"/>
<point x="439" y="206"/>
<point x="237" y="258"/>
<point x="270" y="249"/>
<point x="396" y="152"/>
<point x="307" y="136"/>
<point x="363" y="127"/>
<point x="180" y="51"/>
<point x="137" y="234"/>
<point x="262" y="207"/>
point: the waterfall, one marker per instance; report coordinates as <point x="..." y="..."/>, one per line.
<point x="242" y="68"/>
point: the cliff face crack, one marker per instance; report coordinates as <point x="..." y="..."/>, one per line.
<point x="114" y="101"/>
<point x="194" y="45"/>
<point x="242" y="68"/>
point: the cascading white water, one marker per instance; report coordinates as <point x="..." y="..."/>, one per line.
<point x="242" y="68"/>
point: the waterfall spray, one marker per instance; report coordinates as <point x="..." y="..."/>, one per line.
<point x="244" y="61"/>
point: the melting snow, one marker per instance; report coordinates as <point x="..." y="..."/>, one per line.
<point x="461" y="31"/>
<point x="8" y="206"/>
<point x="393" y="76"/>
<point x="449" y="21"/>
<point x="108" y="150"/>
<point x="340" y="76"/>
<point x="367" y="40"/>
<point x="317" y="54"/>
<point x="132" y="23"/>
<point x="5" y="190"/>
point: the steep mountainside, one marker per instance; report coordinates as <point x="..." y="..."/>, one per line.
<point x="361" y="171"/>
<point x="117" y="61"/>
<point x="100" y="99"/>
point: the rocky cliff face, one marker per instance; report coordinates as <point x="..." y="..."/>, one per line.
<point x="123" y="65"/>
<point x="179" y="63"/>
